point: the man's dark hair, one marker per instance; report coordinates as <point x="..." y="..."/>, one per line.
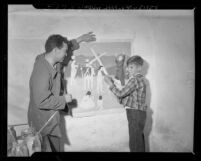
<point x="54" y="41"/>
<point x="137" y="60"/>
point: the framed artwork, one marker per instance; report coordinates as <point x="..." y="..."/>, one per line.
<point x="84" y="78"/>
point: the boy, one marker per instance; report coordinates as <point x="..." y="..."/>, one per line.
<point x="133" y="96"/>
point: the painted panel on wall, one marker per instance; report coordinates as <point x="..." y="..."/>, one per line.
<point x="83" y="76"/>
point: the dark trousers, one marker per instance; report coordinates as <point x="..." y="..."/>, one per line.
<point x="136" y="123"/>
<point x="50" y="143"/>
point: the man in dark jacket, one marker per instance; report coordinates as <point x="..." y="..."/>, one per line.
<point x="45" y="88"/>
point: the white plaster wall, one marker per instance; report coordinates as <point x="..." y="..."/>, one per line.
<point x="101" y="132"/>
<point x="174" y="73"/>
<point x="165" y="42"/>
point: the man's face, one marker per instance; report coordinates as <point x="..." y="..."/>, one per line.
<point x="61" y="53"/>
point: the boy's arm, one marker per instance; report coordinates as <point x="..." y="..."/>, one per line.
<point x="129" y="87"/>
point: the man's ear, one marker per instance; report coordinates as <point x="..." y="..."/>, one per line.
<point x="139" y="68"/>
<point x="54" y="51"/>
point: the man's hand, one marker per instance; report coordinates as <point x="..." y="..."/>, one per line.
<point x="68" y="98"/>
<point x="86" y="37"/>
<point x="109" y="80"/>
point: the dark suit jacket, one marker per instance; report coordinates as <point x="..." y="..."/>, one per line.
<point x="45" y="98"/>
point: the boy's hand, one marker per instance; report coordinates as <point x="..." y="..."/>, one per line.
<point x="86" y="37"/>
<point x="109" y="80"/>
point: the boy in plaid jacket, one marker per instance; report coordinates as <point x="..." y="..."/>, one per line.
<point x="133" y="96"/>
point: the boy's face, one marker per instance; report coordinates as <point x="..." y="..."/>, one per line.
<point x="132" y="69"/>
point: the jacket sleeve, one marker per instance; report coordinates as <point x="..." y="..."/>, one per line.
<point x="129" y="88"/>
<point x="72" y="45"/>
<point x="42" y="96"/>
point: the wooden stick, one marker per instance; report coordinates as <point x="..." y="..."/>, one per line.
<point x="18" y="124"/>
<point x="46" y="122"/>
<point x="93" y="60"/>
<point x="94" y="53"/>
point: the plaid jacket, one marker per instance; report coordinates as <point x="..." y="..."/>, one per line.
<point x="133" y="94"/>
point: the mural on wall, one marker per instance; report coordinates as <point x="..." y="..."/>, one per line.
<point x="84" y="74"/>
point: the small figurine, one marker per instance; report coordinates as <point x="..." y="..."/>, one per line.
<point x="74" y="68"/>
<point x="120" y="75"/>
<point x="87" y="101"/>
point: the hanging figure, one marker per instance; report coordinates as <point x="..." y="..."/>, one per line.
<point x="100" y="81"/>
<point x="91" y="84"/>
<point x="82" y="72"/>
<point x="100" y="88"/>
<point x="88" y="77"/>
<point x="74" y="68"/>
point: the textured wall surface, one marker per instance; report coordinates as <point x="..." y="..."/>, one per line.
<point x="104" y="132"/>
<point x="166" y="42"/>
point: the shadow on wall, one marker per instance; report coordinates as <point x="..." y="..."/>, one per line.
<point x="67" y="111"/>
<point x="148" y="123"/>
<point x="149" y="113"/>
<point x="64" y="138"/>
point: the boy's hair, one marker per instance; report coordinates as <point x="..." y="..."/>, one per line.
<point x="55" y="41"/>
<point x="137" y="60"/>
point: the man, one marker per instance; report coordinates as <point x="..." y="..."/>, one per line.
<point x="46" y="98"/>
